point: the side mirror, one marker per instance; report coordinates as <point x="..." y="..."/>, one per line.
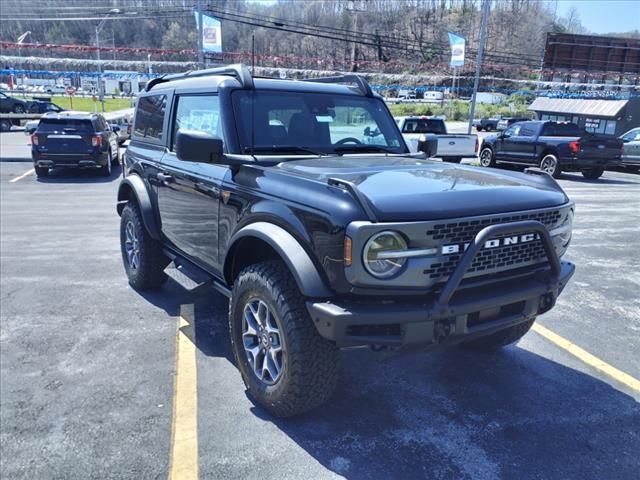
<point x="197" y="146"/>
<point x="428" y="144"/>
<point x="115" y="128"/>
<point x="504" y="135"/>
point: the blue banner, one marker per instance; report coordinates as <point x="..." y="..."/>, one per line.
<point x="457" y="50"/>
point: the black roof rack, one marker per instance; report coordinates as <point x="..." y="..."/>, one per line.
<point x="362" y="84"/>
<point x="237" y="70"/>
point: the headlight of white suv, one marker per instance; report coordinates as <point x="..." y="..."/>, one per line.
<point x="381" y="251"/>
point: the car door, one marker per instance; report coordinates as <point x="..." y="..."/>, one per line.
<point x="523" y="143"/>
<point x="506" y="144"/>
<point x="189" y="192"/>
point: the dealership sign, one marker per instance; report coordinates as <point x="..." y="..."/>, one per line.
<point x="211" y="33"/>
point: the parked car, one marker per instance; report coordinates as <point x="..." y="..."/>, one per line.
<point x="506" y="122"/>
<point x="451" y="147"/>
<point x="124" y="120"/>
<point x="73" y="139"/>
<point x="58" y="89"/>
<point x="631" y="149"/>
<point x="488" y="124"/>
<point x="554" y="147"/>
<point x="323" y="241"/>
<point x="12" y="104"/>
<point x="44" y="107"/>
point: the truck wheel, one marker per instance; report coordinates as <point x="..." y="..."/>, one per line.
<point x="41" y="171"/>
<point x="18" y="108"/>
<point x="478" y="129"/>
<point x="592" y="173"/>
<point x="487" y="158"/>
<point x="501" y="338"/>
<point x="550" y="164"/>
<point x="489" y="128"/>
<point x="287" y="367"/>
<point x="144" y="262"/>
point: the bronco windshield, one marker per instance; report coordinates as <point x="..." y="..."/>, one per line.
<point x="273" y="122"/>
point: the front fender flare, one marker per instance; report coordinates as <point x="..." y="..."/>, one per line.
<point x="134" y="186"/>
<point x="289" y="249"/>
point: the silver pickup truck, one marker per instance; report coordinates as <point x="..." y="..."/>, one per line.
<point x="451" y="147"/>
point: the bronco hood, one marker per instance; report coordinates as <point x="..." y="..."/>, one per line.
<point x="412" y="189"/>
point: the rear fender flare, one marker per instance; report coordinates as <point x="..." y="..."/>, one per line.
<point x="134" y="186"/>
<point x="290" y="251"/>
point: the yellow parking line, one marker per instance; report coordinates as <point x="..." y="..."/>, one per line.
<point x="25" y="174"/>
<point x="183" y="464"/>
<point x="586" y="357"/>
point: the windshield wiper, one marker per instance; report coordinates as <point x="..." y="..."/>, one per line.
<point x="363" y="148"/>
<point x="280" y="148"/>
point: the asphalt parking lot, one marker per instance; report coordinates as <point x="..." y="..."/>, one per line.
<point x="87" y="365"/>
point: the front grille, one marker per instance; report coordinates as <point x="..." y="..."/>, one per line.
<point x="488" y="260"/>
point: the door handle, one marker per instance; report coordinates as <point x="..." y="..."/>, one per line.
<point x="164" y="178"/>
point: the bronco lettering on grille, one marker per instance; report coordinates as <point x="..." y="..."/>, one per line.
<point x="495" y="243"/>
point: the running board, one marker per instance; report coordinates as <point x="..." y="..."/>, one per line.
<point x="191" y="277"/>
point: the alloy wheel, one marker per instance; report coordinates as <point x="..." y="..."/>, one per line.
<point x="132" y="245"/>
<point x="549" y="164"/>
<point x="262" y="341"/>
<point x="485" y="157"/>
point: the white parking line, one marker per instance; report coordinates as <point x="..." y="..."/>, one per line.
<point x="25" y="174"/>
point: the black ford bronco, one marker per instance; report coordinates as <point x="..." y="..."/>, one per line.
<point x="301" y="202"/>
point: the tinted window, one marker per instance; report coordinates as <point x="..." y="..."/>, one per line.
<point x="424" y="125"/>
<point x="50" y="125"/>
<point x="528" y="129"/>
<point x="513" y="131"/>
<point x="150" y="116"/>
<point x="325" y="123"/>
<point x="198" y="112"/>
<point x="561" y="130"/>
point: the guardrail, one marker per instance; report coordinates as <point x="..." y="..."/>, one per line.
<point x="20" y="116"/>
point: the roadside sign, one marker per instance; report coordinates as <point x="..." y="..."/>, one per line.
<point x="70" y="90"/>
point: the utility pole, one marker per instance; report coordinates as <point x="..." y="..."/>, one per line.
<point x="200" y="30"/>
<point x="354" y="28"/>
<point x="486" y="4"/>
<point x="100" y="92"/>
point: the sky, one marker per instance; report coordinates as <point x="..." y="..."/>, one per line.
<point x="605" y="16"/>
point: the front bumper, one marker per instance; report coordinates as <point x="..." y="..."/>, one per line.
<point x="458" y="311"/>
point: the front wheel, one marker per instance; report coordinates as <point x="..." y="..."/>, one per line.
<point x="287" y="367"/>
<point x="592" y="173"/>
<point x="18" y="108"/>
<point x="551" y="165"/>
<point x="487" y="158"/>
<point x="144" y="262"/>
<point x="501" y="338"/>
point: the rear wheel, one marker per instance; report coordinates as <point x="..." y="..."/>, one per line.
<point x="592" y="173"/>
<point x="105" y="170"/>
<point x="18" y="108"/>
<point x="550" y="164"/>
<point x="144" y="262"/>
<point x="501" y="338"/>
<point x="478" y="129"/>
<point x="41" y="171"/>
<point x="286" y="365"/>
<point x="489" y="128"/>
<point x="487" y="158"/>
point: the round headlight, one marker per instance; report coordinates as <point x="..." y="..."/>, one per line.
<point x="378" y="254"/>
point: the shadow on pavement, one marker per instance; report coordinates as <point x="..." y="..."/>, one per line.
<point x="82" y="175"/>
<point x="449" y="413"/>
<point x="577" y="177"/>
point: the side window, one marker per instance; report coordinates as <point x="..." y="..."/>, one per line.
<point x="513" y="131"/>
<point x="150" y="117"/>
<point x="528" y="129"/>
<point x="197" y="112"/>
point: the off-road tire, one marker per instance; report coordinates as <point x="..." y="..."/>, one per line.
<point x="487" y="158"/>
<point x="41" y="171"/>
<point x="499" y="339"/>
<point x="310" y="363"/>
<point x="150" y="272"/>
<point x="592" y="173"/>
